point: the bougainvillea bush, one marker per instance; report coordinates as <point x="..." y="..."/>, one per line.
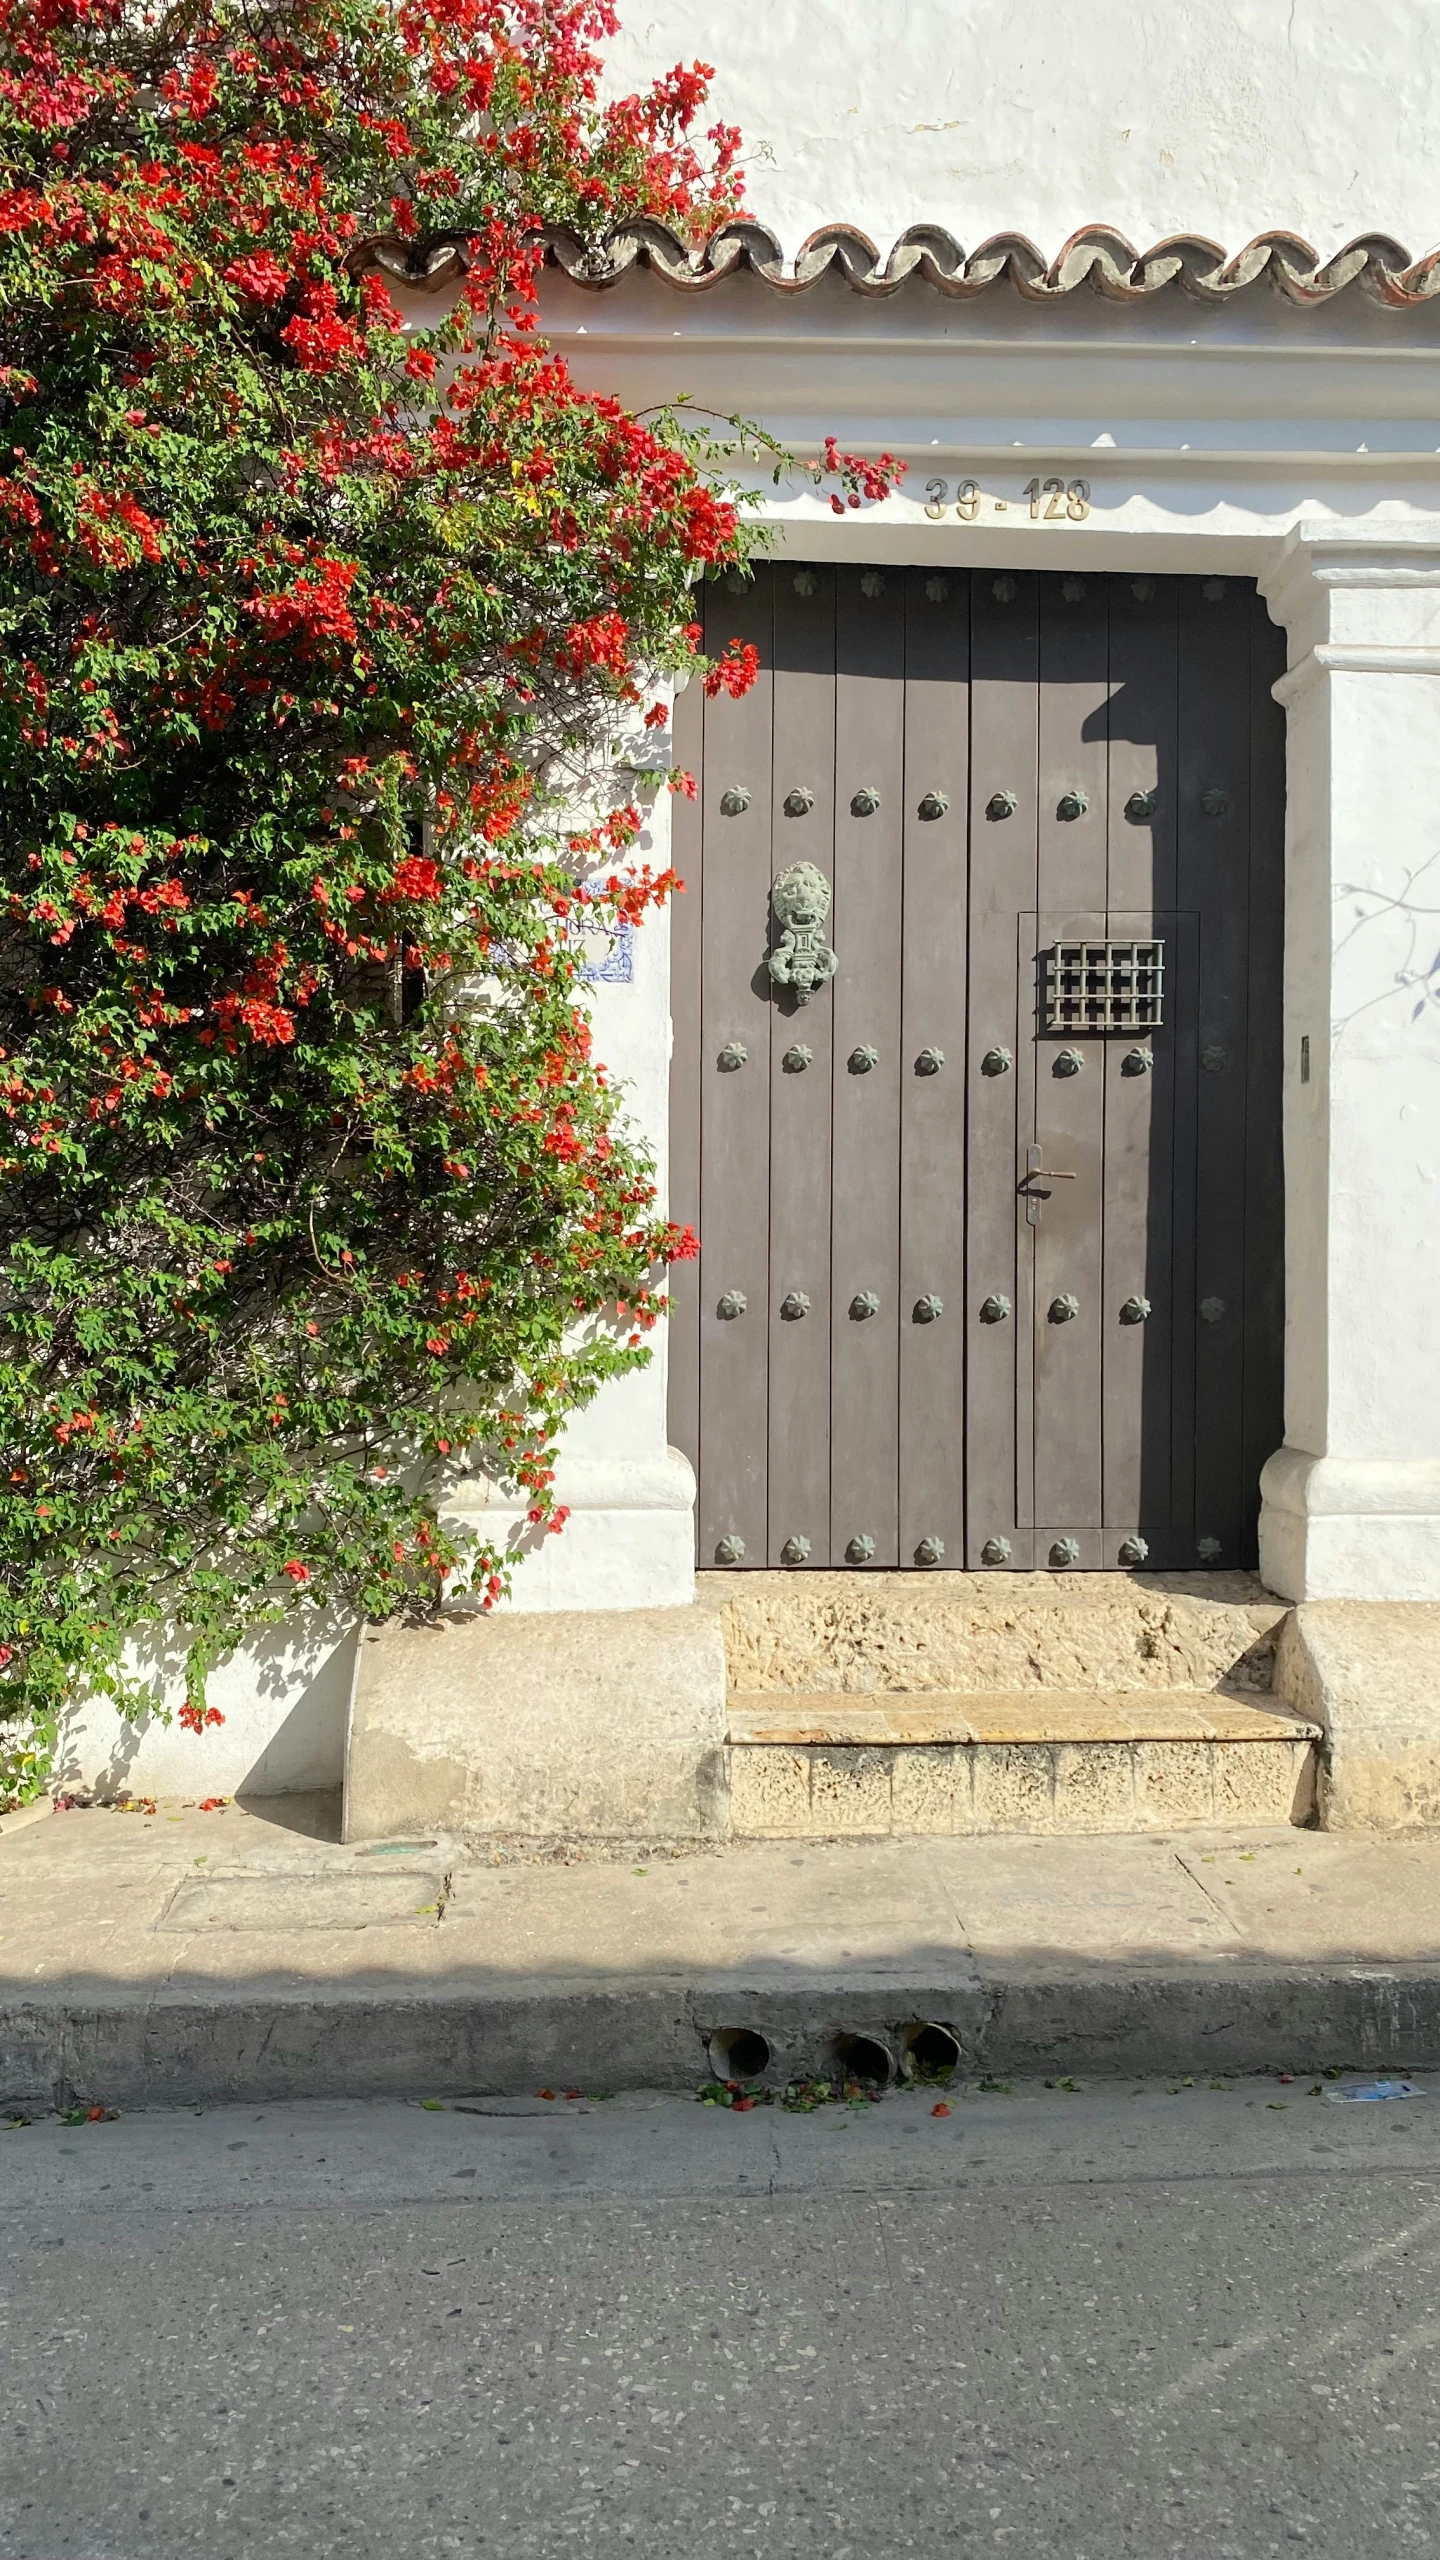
<point x="311" y="1194"/>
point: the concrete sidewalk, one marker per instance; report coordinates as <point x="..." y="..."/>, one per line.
<point x="180" y="1956"/>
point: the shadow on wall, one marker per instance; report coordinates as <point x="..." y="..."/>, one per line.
<point x="284" y="1696"/>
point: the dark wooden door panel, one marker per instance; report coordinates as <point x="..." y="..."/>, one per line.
<point x="942" y="1354"/>
<point x="932" y="1068"/>
<point x="1068" y="1244"/>
<point x="1185" y="1050"/>
<point x="1000" y="1060"/>
<point x="1214" y="881"/>
<point x="687" y="844"/>
<point x="1141" y="718"/>
<point x="1138" y="1316"/>
<point x="865" y="1200"/>
<point x="1264" y="1318"/>
<point x="800" y="1084"/>
<point x="734" y="1261"/>
<point x="1109" y="1227"/>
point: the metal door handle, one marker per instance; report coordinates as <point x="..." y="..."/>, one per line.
<point x="1035" y="1171"/>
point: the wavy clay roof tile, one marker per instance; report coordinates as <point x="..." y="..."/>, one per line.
<point x="1098" y="256"/>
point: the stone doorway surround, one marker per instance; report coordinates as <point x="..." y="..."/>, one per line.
<point x="1238" y="435"/>
<point x="1228" y="430"/>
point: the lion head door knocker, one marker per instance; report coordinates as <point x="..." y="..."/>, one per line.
<point x="801" y="903"/>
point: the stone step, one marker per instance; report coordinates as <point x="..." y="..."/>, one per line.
<point x="821" y="1765"/>
<point x="1017" y="1715"/>
<point x="859" y="1634"/>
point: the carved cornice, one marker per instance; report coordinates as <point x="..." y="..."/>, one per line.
<point x="1097" y="256"/>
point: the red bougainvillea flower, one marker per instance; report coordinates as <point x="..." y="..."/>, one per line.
<point x="312" y="1193"/>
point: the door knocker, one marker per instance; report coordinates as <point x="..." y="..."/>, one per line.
<point x="801" y="959"/>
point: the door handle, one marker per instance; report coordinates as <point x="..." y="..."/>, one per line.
<point x="1035" y="1171"/>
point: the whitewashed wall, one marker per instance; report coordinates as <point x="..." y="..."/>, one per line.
<point x="284" y="1699"/>
<point x="1254" y="440"/>
<point x="1225" y="117"/>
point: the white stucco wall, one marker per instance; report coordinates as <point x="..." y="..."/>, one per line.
<point x="283" y="1698"/>
<point x="1209" y="437"/>
<point x="1352" y="1501"/>
<point x="1225" y="117"/>
<point x="629" y="1540"/>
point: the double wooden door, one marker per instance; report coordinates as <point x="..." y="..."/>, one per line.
<point x="976" y="1081"/>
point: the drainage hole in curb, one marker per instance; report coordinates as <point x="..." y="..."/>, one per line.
<point x="738" y="2053"/>
<point x="865" y="2058"/>
<point x="930" y="2053"/>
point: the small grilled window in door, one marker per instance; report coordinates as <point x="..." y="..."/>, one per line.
<point x="1103" y="986"/>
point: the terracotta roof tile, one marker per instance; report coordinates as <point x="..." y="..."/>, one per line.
<point x="1098" y="256"/>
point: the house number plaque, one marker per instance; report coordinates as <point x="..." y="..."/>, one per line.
<point x="1039" y="502"/>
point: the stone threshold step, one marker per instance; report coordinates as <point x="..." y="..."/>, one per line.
<point x="816" y="1767"/>
<point x="928" y="1718"/>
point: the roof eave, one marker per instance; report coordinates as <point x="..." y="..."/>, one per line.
<point x="1097" y="256"/>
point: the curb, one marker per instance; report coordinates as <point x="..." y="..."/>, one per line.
<point x="1112" y="2022"/>
<point x="24" y="1815"/>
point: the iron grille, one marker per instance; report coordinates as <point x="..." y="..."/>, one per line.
<point x="1103" y="986"/>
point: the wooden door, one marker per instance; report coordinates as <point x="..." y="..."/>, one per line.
<point x="990" y="1203"/>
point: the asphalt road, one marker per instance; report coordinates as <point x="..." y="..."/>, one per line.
<point x="1201" y="2322"/>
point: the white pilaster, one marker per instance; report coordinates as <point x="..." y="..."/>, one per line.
<point x="629" y="1542"/>
<point x="1351" y="1503"/>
